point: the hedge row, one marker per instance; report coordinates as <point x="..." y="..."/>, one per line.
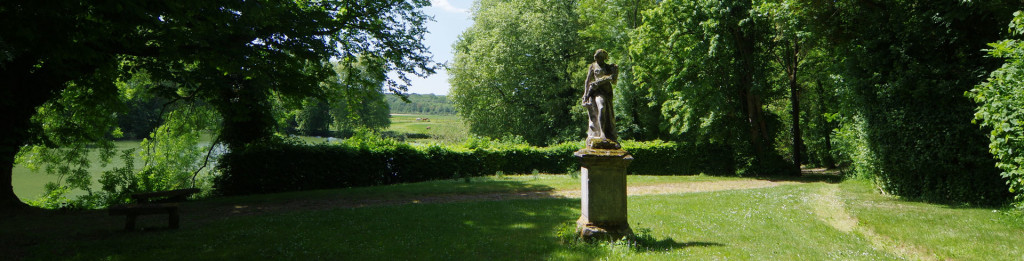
<point x="279" y="167"/>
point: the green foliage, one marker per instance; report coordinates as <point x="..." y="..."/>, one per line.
<point x="365" y="159"/>
<point x="851" y="149"/>
<point x="610" y="24"/>
<point x="354" y="100"/>
<point x="916" y="121"/>
<point x="230" y="55"/>
<point x="67" y="130"/>
<point x="709" y="60"/>
<point x="175" y="153"/>
<point x="1001" y="107"/>
<point x="119" y="182"/>
<point x="172" y="157"/>
<point x="517" y="71"/>
<point x="314" y="118"/>
<point x="422" y="104"/>
<point x="359" y="99"/>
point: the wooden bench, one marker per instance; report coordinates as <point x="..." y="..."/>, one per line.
<point x="133" y="211"/>
<point x="176" y="195"/>
<point x="147" y="206"/>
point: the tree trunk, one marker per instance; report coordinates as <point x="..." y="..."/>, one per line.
<point x="17" y="115"/>
<point x="830" y="162"/>
<point x="8" y="200"/>
<point x="25" y="88"/>
<point x="798" y="141"/>
<point x="246" y="113"/>
<point x="794" y="99"/>
<point x="755" y="122"/>
<point x="752" y="102"/>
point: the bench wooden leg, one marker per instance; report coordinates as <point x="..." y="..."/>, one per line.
<point x="129" y="224"/>
<point x="172" y="218"/>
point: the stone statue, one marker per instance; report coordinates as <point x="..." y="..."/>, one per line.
<point x="603" y="162"/>
<point x="597" y="98"/>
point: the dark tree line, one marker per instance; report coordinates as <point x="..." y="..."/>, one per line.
<point x="429" y="104"/>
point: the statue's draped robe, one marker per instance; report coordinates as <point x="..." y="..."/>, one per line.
<point x="598" y="94"/>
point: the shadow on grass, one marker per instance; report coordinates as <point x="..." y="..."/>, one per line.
<point x="669" y="244"/>
<point x="445" y="220"/>
<point x="396" y="192"/>
<point x="810" y="176"/>
<point x="645" y="242"/>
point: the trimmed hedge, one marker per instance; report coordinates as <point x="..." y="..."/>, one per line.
<point x="278" y="167"/>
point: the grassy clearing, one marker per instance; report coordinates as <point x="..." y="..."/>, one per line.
<point x="788" y="222"/>
<point x="440" y="128"/>
<point x="937" y="231"/>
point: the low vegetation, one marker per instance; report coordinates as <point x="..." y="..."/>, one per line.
<point x="368" y="160"/>
<point x="791" y="221"/>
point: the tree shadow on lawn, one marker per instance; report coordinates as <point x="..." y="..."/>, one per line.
<point x="411" y="223"/>
<point x="810" y="176"/>
<point x="524" y="229"/>
<point x="647" y="243"/>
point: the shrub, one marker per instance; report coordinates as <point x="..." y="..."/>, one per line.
<point x="363" y="161"/>
<point x="1001" y="108"/>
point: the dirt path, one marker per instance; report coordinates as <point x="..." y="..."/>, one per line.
<point x="829" y="207"/>
<point x="334" y="203"/>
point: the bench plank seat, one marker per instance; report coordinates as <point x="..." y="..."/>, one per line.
<point x="133" y="211"/>
<point x="170" y="195"/>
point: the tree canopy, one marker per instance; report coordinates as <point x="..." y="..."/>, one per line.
<point x="230" y="55"/>
<point x="518" y="70"/>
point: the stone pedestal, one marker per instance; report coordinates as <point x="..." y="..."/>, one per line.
<point x="603" y="178"/>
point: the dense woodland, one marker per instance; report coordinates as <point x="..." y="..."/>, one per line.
<point x="922" y="97"/>
<point x="876" y="88"/>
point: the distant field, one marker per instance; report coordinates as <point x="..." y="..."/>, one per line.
<point x="440" y="128"/>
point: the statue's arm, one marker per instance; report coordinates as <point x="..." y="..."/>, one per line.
<point x="615" y="74"/>
<point x="586" y="86"/>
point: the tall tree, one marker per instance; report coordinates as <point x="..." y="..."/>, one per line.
<point x="709" y="57"/>
<point x="610" y="24"/>
<point x="518" y="70"/>
<point x="792" y="44"/>
<point x="358" y="99"/>
<point x="227" y="53"/>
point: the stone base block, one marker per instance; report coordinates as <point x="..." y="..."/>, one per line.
<point x="603" y="194"/>
<point x="591" y="231"/>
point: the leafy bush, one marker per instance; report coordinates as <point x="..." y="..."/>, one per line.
<point x="916" y="121"/>
<point x="364" y="160"/>
<point x="1001" y="107"/>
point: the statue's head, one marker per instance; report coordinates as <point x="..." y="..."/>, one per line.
<point x="600" y="55"/>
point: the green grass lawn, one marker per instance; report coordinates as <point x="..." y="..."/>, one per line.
<point x="440" y="128"/>
<point x="937" y="231"/>
<point x="796" y="221"/>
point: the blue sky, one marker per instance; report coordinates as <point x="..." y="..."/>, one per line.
<point x="451" y="18"/>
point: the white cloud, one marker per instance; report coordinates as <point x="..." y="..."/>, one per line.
<point x="448" y="7"/>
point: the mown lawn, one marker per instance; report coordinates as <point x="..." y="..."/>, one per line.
<point x="795" y="221"/>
